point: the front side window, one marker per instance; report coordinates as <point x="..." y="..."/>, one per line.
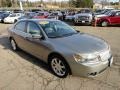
<point x="117" y="14"/>
<point x="55" y="29"/>
<point x="33" y="28"/>
<point x="20" y="26"/>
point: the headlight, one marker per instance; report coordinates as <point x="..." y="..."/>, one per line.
<point x="85" y="57"/>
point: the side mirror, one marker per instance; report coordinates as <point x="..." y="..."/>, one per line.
<point x="36" y="36"/>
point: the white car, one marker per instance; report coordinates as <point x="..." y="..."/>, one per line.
<point x="12" y="18"/>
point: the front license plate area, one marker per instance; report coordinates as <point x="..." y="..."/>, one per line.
<point x="83" y="21"/>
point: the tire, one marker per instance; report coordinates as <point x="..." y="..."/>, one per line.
<point x="15" y="21"/>
<point x="104" y="23"/>
<point x="75" y="24"/>
<point x="59" y="66"/>
<point x="13" y="45"/>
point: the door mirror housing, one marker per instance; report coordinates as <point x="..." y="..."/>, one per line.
<point x="36" y="36"/>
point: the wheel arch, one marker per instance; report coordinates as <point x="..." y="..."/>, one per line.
<point x="104" y="20"/>
<point x="58" y="54"/>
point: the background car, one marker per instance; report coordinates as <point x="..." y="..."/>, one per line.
<point x="106" y="13"/>
<point x="41" y="15"/>
<point x="70" y="16"/>
<point x="3" y="16"/>
<point x="12" y="18"/>
<point x="113" y="18"/>
<point x="56" y="15"/>
<point x="83" y="18"/>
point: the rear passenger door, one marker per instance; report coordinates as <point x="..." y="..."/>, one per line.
<point x="19" y="34"/>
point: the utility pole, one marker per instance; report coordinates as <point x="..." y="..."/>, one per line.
<point x="119" y="3"/>
<point x="21" y="6"/>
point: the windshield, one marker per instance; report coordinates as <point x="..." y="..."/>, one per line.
<point x="12" y="15"/>
<point x="108" y="13"/>
<point x="55" y="29"/>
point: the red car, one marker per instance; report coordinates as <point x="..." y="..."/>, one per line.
<point x="42" y="15"/>
<point x="112" y="19"/>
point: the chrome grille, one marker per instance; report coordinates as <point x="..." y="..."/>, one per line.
<point x="82" y="17"/>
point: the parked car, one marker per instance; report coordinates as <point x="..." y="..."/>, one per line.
<point x="70" y="16"/>
<point x="104" y="14"/>
<point x="56" y="15"/>
<point x="102" y="11"/>
<point x="113" y="18"/>
<point x="12" y="18"/>
<point x="41" y="15"/>
<point x="66" y="50"/>
<point x="83" y="18"/>
<point x="3" y="16"/>
<point x="30" y="14"/>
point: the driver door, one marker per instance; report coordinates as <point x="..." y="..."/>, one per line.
<point x="34" y="46"/>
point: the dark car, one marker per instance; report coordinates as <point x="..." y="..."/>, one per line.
<point x="3" y="16"/>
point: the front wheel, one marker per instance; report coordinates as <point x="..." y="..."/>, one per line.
<point x="59" y="66"/>
<point x="104" y="24"/>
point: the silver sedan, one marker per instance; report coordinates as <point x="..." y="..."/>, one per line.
<point x="66" y="50"/>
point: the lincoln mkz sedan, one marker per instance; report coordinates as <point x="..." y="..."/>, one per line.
<point x="66" y="50"/>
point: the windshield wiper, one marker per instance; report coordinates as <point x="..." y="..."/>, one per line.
<point x="64" y="35"/>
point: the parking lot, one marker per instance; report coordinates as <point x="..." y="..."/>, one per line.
<point x="20" y="71"/>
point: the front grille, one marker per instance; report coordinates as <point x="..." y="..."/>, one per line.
<point x="83" y="18"/>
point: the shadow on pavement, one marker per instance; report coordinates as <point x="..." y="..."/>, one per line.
<point x="4" y="41"/>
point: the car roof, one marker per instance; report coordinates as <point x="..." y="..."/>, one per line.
<point x="115" y="10"/>
<point x="38" y="20"/>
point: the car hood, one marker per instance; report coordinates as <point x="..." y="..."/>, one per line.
<point x="80" y="43"/>
<point x="83" y="14"/>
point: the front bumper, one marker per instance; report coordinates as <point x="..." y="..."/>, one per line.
<point x="83" y="21"/>
<point x="8" y="21"/>
<point x="90" y="70"/>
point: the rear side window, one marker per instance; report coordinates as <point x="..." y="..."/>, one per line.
<point x="20" y="26"/>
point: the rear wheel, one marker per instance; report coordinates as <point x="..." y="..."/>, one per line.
<point x="59" y="66"/>
<point x="13" y="44"/>
<point x="104" y="23"/>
